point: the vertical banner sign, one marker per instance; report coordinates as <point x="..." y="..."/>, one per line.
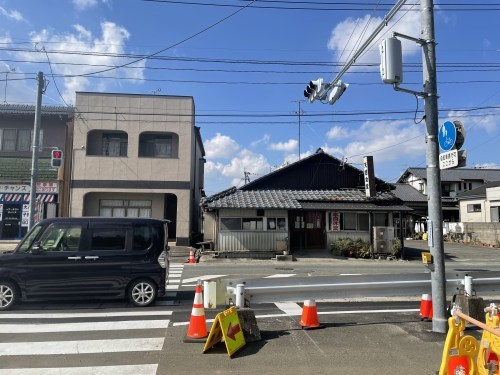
<point x="430" y="240"/>
<point x="335" y="222"/>
<point x="369" y="176"/>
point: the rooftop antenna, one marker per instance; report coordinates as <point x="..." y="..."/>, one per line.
<point x="156" y="91"/>
<point x="10" y="70"/>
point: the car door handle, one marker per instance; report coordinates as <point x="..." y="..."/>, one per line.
<point x="75" y="258"/>
<point x="93" y="257"/>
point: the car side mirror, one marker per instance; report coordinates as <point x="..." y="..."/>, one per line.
<point x="36" y="247"/>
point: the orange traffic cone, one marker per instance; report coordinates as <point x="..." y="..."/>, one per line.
<point x="309" y="318"/>
<point x="197" y="330"/>
<point x="191" y="256"/>
<point x="426" y="307"/>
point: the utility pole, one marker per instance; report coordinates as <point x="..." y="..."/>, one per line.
<point x="247" y="176"/>
<point x="36" y="145"/>
<point x="300" y="114"/>
<point x="435" y="222"/>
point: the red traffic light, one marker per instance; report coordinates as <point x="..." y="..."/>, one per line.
<point x="56" y="159"/>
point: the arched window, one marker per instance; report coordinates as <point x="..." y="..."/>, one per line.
<point x="158" y="145"/>
<point x="107" y="143"/>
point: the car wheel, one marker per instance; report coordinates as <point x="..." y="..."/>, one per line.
<point x="8" y="295"/>
<point x="142" y="292"/>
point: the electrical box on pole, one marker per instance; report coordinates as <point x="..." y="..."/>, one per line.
<point x="391" y="61"/>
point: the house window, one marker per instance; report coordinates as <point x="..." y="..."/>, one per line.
<point x="107" y="143"/>
<point x="114" y="144"/>
<point x="465" y="185"/>
<point x="12" y="140"/>
<point x="246" y="223"/>
<point x="421" y="187"/>
<point x="230" y="223"/>
<point x="125" y="208"/>
<point x="474" y="208"/>
<point x="252" y="223"/>
<point x="358" y="221"/>
<point x="470" y="185"/>
<point x="276" y="223"/>
<point x="158" y="145"/>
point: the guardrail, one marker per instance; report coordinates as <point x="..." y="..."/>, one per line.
<point x="296" y="289"/>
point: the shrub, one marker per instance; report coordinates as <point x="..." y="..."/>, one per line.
<point x="351" y="248"/>
<point x="396" y="247"/>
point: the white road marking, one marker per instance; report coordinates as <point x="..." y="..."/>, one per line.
<point x="289" y="308"/>
<point x="83" y="314"/>
<point x="81" y="347"/>
<point x="280" y="275"/>
<point x="202" y="278"/>
<point x="319" y="313"/>
<point x="87" y="326"/>
<point x="172" y="281"/>
<point x="172" y="287"/>
<point x="96" y="370"/>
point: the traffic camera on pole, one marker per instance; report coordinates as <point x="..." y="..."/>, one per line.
<point x="56" y="159"/>
<point x="313" y="89"/>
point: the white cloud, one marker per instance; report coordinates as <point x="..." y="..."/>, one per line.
<point x="90" y="59"/>
<point x="265" y="139"/>
<point x="385" y="140"/>
<point x="337" y="132"/>
<point x="488" y="121"/>
<point x="350" y="34"/>
<point x="220" y="176"/>
<point x="289" y="146"/>
<point x="221" y="147"/>
<point x="13" y="14"/>
<point x="85" y="4"/>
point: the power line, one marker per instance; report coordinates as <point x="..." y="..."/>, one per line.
<point x="345" y="6"/>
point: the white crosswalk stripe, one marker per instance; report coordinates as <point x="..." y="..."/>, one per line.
<point x="174" y="276"/>
<point x="59" y="342"/>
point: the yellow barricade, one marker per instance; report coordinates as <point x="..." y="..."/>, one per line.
<point x="489" y="350"/>
<point x="463" y="355"/>
<point x="459" y="353"/>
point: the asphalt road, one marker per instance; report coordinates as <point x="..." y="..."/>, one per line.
<point x="110" y="338"/>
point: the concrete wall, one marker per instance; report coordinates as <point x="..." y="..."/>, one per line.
<point x="488" y="233"/>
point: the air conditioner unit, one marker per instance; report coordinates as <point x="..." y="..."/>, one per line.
<point x="382" y="247"/>
<point x="383" y="233"/>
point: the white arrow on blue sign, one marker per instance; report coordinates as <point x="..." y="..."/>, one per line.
<point x="447" y="136"/>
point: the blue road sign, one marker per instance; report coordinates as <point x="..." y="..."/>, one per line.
<point x="447" y="136"/>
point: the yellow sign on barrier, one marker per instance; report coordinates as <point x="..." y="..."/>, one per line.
<point x="463" y="355"/>
<point x="226" y="326"/>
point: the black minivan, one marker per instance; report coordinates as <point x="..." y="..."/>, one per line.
<point x="87" y="258"/>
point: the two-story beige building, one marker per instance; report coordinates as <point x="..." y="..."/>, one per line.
<point x="138" y="156"/>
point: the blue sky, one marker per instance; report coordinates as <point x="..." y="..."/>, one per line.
<point x="247" y="67"/>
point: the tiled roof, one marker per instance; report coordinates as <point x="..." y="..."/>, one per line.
<point x="19" y="169"/>
<point x="479" y="191"/>
<point x="408" y="193"/>
<point x="290" y="199"/>
<point x="29" y="110"/>
<point x="459" y="174"/>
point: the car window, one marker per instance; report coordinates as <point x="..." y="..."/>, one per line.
<point x="143" y="237"/>
<point x="108" y="238"/>
<point x="30" y="237"/>
<point x="61" y="237"/>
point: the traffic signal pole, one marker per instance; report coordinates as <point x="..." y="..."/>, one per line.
<point x="36" y="145"/>
<point x="435" y="223"/>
